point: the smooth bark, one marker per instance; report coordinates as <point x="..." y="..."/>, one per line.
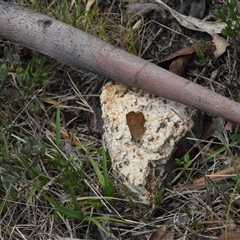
<point x="81" y="50"/>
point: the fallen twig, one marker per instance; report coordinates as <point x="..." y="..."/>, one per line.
<point x="81" y="50"/>
<point x="228" y="172"/>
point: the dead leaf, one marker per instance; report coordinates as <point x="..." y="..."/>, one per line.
<point x="73" y="3"/>
<point x="194" y="23"/>
<point x="89" y="4"/>
<point x="221" y="45"/>
<point x="140" y="9"/>
<point x="217" y="176"/>
<point x="185" y="51"/>
<point x="229" y="126"/>
<point x="178" y="61"/>
<point x="178" y="66"/>
<point x="231" y="235"/>
<point x="162" y="233"/>
<point x="137" y="24"/>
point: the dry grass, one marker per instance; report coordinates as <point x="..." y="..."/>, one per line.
<point x="52" y="160"/>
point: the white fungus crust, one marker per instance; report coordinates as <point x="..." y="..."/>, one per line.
<point x="140" y="165"/>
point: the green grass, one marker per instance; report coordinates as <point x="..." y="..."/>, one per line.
<point x="26" y="154"/>
<point x="33" y="153"/>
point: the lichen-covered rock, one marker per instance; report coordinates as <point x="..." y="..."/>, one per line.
<point x="140" y="164"/>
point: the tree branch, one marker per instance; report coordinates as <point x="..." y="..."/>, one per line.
<point x="81" y="50"/>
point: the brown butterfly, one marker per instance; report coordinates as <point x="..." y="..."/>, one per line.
<point x="135" y="122"/>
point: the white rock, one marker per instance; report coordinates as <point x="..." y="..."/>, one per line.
<point x="141" y="165"/>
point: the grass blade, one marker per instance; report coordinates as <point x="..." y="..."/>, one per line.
<point x="64" y="210"/>
<point x="58" y="127"/>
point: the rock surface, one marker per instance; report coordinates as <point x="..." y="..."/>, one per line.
<point x="140" y="164"/>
